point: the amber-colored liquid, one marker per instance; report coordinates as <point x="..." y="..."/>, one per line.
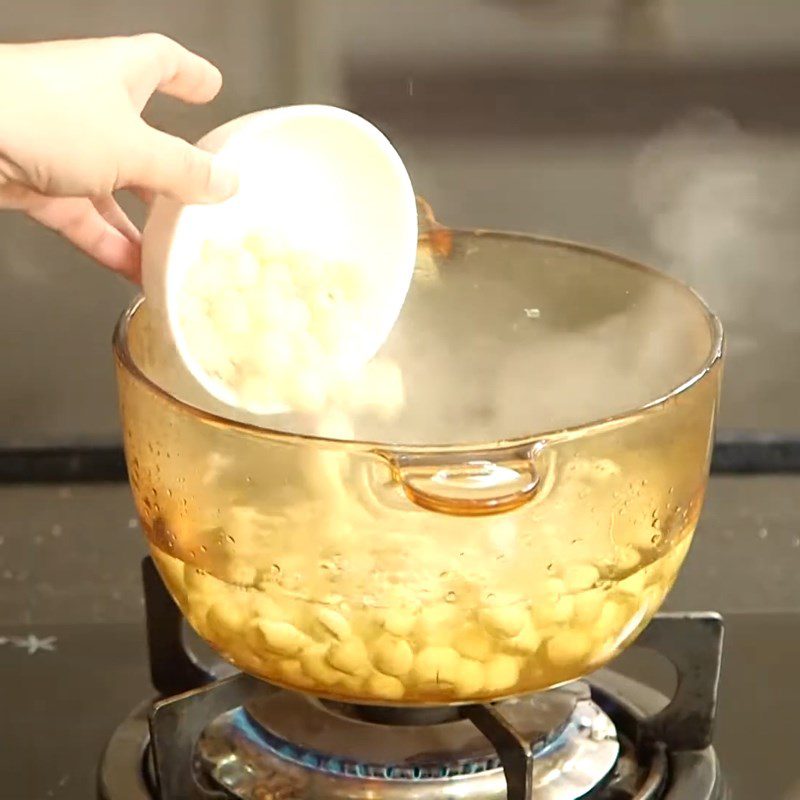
<point x="381" y="621"/>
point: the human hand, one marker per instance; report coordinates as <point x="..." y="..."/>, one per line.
<point x="71" y="134"/>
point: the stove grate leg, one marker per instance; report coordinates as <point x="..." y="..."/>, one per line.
<point x="514" y="751"/>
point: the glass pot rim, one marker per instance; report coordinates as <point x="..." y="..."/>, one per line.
<point x="126" y="361"/>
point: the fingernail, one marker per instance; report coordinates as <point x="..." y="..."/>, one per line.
<point x="223" y="181"/>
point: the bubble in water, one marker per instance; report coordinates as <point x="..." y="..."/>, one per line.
<point x="230" y="539"/>
<point x="450" y="597"/>
<point x="203" y="548"/>
<point x="275" y="569"/>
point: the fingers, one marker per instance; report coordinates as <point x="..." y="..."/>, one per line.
<point x="174" y="70"/>
<point x="80" y="222"/>
<point x="165" y="164"/>
<point x="157" y="163"/>
<point x="112" y="213"/>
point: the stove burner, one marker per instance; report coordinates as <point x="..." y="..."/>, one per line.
<point x="237" y="737"/>
<point x="332" y="753"/>
<point x="237" y="724"/>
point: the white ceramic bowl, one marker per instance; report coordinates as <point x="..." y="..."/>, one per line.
<point x="321" y="179"/>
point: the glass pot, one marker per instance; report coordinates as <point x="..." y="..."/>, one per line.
<point x="512" y="527"/>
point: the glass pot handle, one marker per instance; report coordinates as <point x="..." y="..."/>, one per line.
<point x="426" y="221"/>
<point x="473" y="484"/>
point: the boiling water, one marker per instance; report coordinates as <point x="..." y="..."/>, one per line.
<point x="443" y="610"/>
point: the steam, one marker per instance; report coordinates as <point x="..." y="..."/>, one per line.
<point x="712" y="206"/>
<point x="492" y="349"/>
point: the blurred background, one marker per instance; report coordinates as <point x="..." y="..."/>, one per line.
<point x="668" y="130"/>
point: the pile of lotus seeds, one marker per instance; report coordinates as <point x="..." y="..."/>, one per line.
<point x="274" y="325"/>
<point x="426" y="653"/>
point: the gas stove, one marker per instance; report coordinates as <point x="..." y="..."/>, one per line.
<point x="216" y="733"/>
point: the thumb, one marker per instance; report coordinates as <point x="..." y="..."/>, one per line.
<point x="168" y="165"/>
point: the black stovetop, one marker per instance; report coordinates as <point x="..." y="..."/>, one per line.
<point x="64" y="689"/>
